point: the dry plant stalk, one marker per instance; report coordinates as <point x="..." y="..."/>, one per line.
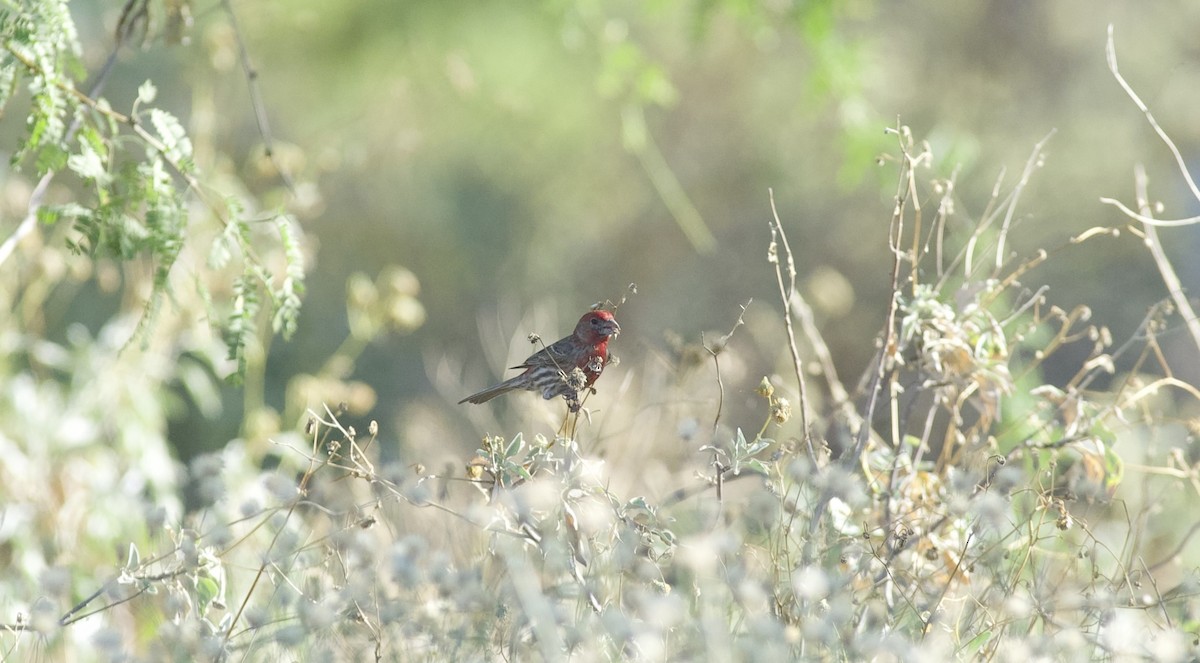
<point x="1144" y="215"/>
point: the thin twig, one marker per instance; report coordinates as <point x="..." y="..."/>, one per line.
<point x="889" y="338"/>
<point x="1170" y="278"/>
<point x="904" y="187"/>
<point x="1177" y="550"/>
<point x="786" y="293"/>
<point x="1030" y="165"/>
<point x="808" y="324"/>
<point x="256" y="102"/>
<point x="720" y="384"/>
<point x="1110" y="52"/>
<point x="716" y="350"/>
<point x="314" y="464"/>
<point x="918" y="217"/>
<point x="1165" y="269"/>
<point x="666" y="184"/>
<point x="1149" y="220"/>
<point x="944" y="206"/>
<point x="933" y="614"/>
<point x="27" y="224"/>
<point x="967" y="255"/>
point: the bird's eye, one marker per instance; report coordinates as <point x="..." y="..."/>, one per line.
<point x="595" y="321"/>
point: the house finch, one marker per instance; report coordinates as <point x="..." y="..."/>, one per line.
<point x="550" y="369"/>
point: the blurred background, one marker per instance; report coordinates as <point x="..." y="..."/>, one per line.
<point x="486" y="170"/>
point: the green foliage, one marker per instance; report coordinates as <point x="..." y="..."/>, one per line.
<point x="240" y="327"/>
<point x="949" y="534"/>
<point x="287" y="297"/>
<point x="119" y="206"/>
<point x="139" y="186"/>
<point x="42" y="45"/>
<point x="957" y="506"/>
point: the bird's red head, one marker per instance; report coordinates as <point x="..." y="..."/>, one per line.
<point x="597" y="326"/>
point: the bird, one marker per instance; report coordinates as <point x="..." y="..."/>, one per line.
<point x="551" y="370"/>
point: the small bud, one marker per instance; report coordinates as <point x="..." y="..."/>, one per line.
<point x="406" y="313"/>
<point x="373" y="428"/>
<point x="475" y="467"/>
<point x="361" y="294"/>
<point x="534" y="339"/>
<point x="1065" y="521"/>
<point x="781" y="410"/>
<point x="765" y="388"/>
<point x="400" y="281"/>
<point x="577" y="379"/>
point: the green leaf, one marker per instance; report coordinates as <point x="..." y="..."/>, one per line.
<point x="758" y="467"/>
<point x="654" y="87"/>
<point x="48" y="215"/>
<point x="89" y="165"/>
<point x="88" y="134"/>
<point x="51" y="157"/>
<point x="147" y="92"/>
<point x="757" y="446"/>
<point x="206" y="590"/>
<point x="221" y="251"/>
<point x="620" y="63"/>
<point x="520" y="470"/>
<point x="288" y="296"/>
<point x="8" y="80"/>
<point x="976" y="643"/>
<point x="514" y="446"/>
<point x="739" y="442"/>
<point x="134" y="558"/>
<point x="239" y="329"/>
<point x="174" y="138"/>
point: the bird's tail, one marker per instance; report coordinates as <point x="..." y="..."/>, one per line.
<point x="495" y="390"/>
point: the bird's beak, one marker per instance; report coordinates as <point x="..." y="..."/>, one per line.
<point x="613" y="328"/>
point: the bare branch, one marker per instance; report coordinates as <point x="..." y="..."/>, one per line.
<point x="30" y="221"/>
<point x="786" y="293"/>
<point x="260" y="109"/>
<point x="1144" y="214"/>
<point x="1110" y="51"/>
<point x="1149" y="220"/>
<point x="1170" y="278"/>
<point x="1030" y="165"/>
